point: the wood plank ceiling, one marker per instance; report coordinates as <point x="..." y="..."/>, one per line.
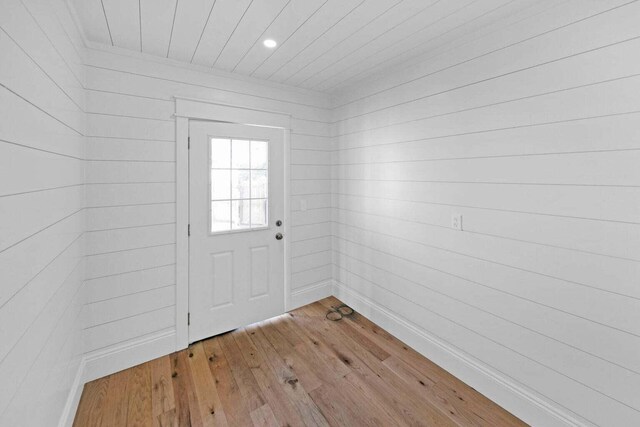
<point x="322" y="44"/>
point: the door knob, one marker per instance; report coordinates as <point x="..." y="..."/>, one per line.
<point x="278" y="223"/>
<point x="278" y="236"/>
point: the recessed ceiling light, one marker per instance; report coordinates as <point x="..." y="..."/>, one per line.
<point x="270" y="43"/>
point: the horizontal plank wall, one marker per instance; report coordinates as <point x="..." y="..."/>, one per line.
<point x="130" y="188"/>
<point x="529" y="130"/>
<point x="41" y="211"/>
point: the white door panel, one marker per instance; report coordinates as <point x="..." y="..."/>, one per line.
<point x="236" y="197"/>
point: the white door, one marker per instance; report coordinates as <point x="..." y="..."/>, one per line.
<point x="236" y="207"/>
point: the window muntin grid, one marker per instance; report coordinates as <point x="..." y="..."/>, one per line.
<point x="239" y="184"/>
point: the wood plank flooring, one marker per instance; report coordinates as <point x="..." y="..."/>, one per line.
<point x="298" y="369"/>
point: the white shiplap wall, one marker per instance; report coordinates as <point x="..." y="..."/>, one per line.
<point x="41" y="210"/>
<point x="130" y="184"/>
<point x="530" y="131"/>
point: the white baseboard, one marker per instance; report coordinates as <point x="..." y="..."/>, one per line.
<point x="73" y="400"/>
<point x="114" y="359"/>
<point x="309" y="294"/>
<point x="105" y="362"/>
<point x="511" y="396"/>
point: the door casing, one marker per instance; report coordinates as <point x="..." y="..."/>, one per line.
<point x="195" y="109"/>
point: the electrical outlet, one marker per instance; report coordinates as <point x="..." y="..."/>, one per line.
<point x="456" y="221"/>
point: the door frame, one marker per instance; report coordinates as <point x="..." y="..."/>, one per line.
<point x="188" y="109"/>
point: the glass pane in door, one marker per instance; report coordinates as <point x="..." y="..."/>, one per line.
<point x="239" y="184"/>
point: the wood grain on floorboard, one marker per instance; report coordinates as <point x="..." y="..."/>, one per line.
<point x="298" y="369"/>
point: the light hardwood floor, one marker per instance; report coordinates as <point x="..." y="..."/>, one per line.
<point x="294" y="370"/>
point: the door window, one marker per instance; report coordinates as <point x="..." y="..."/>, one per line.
<point x="239" y="184"/>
